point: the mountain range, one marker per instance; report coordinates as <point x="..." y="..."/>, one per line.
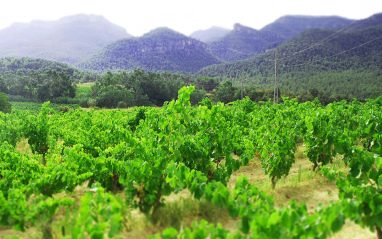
<point x="244" y="42"/>
<point x="69" y="40"/>
<point x="210" y="35"/>
<point x="347" y="62"/>
<point x="92" y="43"/>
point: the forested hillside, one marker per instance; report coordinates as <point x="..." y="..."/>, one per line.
<point x="372" y="21"/>
<point x="159" y="50"/>
<point x="244" y="42"/>
<point x="68" y="40"/>
<point x="289" y="26"/>
<point x="25" y="65"/>
<point x="341" y="64"/>
<point x="27" y="79"/>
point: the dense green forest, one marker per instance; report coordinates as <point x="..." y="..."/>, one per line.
<point x="36" y="80"/>
<point x="159" y="50"/>
<point x="38" y="86"/>
<point x="141" y="88"/>
<point x="25" y="65"/>
<point x="27" y="79"/>
<point x="343" y="65"/>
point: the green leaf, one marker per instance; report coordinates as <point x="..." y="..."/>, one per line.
<point x="380" y="180"/>
<point x="169" y="233"/>
<point x="273" y="219"/>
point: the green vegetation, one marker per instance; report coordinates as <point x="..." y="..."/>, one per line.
<point x="36" y="80"/>
<point x="68" y="172"/>
<point x="24" y="66"/>
<point x="121" y="90"/>
<point x="35" y="108"/>
<point x="146" y="154"/>
<point x="5" y="106"/>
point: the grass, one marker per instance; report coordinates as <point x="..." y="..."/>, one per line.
<point x="87" y="84"/>
<point x="83" y="92"/>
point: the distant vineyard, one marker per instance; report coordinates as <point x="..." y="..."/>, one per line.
<point x="148" y="153"/>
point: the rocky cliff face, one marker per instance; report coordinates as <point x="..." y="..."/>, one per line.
<point x="163" y="47"/>
<point x="159" y="50"/>
<point x="164" y="40"/>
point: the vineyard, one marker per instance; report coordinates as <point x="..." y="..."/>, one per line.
<point x="132" y="160"/>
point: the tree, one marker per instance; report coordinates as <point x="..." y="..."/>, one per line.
<point x="2" y="85"/>
<point x="314" y="92"/>
<point x="5" y="106"/>
<point x="225" y="92"/>
<point x="112" y="96"/>
<point x="56" y="84"/>
<point x="197" y="96"/>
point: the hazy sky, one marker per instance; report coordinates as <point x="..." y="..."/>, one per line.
<point x="141" y="16"/>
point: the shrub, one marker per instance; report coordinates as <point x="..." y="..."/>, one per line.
<point x="5" y="106"/>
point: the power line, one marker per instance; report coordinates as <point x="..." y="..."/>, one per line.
<point x="363" y="44"/>
<point x="332" y="36"/>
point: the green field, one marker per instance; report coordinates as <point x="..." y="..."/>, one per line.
<point x="239" y="170"/>
<point x="35" y="108"/>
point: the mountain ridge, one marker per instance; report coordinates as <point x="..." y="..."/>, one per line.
<point x="68" y="40"/>
<point x="245" y="42"/>
<point x="349" y="64"/>
<point x="161" y="49"/>
<point x="210" y="34"/>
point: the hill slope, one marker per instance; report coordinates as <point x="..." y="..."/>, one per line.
<point x="244" y="42"/>
<point x="338" y="66"/>
<point x="289" y="26"/>
<point x="372" y="21"/>
<point x="69" y="40"/>
<point x="159" y="50"/>
<point x="24" y="66"/>
<point x="209" y="35"/>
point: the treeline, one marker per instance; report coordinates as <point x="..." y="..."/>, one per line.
<point x="37" y="80"/>
<point x="140" y="88"/>
<point x="25" y="65"/>
<point x="38" y="86"/>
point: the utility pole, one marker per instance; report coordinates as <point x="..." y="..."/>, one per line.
<point x="276" y="91"/>
<point x="276" y="87"/>
<point x="241" y="80"/>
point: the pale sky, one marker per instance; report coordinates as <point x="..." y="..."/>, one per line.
<point x="141" y="16"/>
